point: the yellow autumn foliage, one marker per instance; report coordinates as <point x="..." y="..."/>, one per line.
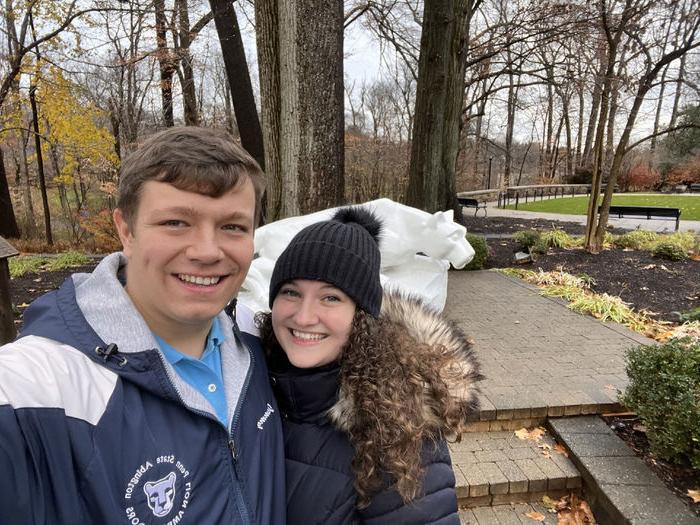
<point x="74" y="126"/>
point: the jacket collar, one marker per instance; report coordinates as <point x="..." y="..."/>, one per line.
<point x="304" y="395"/>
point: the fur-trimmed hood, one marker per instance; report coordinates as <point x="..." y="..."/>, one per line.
<point x="419" y="327"/>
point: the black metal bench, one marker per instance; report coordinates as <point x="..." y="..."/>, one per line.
<point x="694" y="187"/>
<point x="472" y="203"/>
<point x="646" y="212"/>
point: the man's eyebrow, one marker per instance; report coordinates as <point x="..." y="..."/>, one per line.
<point x="189" y="211"/>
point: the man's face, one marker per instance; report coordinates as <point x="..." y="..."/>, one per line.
<point x="188" y="253"/>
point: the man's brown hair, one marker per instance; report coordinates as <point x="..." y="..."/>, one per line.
<point x="201" y="160"/>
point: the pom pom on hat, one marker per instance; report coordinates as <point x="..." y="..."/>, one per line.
<point x="343" y="251"/>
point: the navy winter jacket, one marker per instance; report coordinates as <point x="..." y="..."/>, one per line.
<point x="93" y="433"/>
<point x="318" y="451"/>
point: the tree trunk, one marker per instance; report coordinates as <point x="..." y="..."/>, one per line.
<point x="239" y="78"/>
<point x="300" y="53"/>
<point x="40" y="166"/>
<point x="439" y="95"/>
<point x="189" y="91"/>
<point x="165" y="63"/>
<point x="510" y="125"/>
<point x="587" y="157"/>
<point x="29" y="222"/>
<point x="579" y="134"/>
<point x="8" y="223"/>
<point x="679" y="90"/>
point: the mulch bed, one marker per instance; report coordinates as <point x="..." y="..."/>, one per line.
<point x="661" y="287"/>
<point x="23" y="290"/>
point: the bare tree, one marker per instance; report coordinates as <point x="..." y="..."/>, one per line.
<point x="241" y="89"/>
<point x="627" y="19"/>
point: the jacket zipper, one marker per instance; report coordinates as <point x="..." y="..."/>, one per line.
<point x="240" y="502"/>
<point x="232" y="443"/>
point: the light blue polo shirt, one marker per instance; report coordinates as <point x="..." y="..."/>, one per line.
<point x="204" y="374"/>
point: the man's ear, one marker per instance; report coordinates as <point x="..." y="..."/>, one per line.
<point x="124" y="231"/>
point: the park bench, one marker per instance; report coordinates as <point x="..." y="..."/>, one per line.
<point x="694" y="187"/>
<point x="646" y="212"/>
<point x="472" y="203"/>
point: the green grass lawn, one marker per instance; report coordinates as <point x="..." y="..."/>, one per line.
<point x="688" y="204"/>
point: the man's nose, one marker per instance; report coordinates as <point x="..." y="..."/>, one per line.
<point x="205" y="248"/>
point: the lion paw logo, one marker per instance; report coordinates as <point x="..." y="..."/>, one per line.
<point x="161" y="495"/>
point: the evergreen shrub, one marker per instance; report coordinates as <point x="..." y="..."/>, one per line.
<point x="664" y="390"/>
<point x="481" y="252"/>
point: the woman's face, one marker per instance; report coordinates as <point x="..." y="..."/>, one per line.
<point x="312" y="321"/>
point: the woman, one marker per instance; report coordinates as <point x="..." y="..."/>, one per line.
<point x="367" y="398"/>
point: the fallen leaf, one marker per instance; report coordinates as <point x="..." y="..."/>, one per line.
<point x="549" y="503"/>
<point x="533" y="435"/>
<point x="664" y="268"/>
<point x="576" y="512"/>
<point x="695" y="257"/>
<point x="37" y="280"/>
<point x="546" y="454"/>
<point x="23" y="305"/>
<point x="610" y="387"/>
<point x="694" y="495"/>
<point x="560" y="449"/>
<point x="537" y="516"/>
<point x="648" y="267"/>
<point x="639" y="428"/>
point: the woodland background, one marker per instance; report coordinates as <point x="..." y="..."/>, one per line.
<point x="472" y="94"/>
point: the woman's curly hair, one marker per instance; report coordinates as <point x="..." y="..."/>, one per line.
<point x="395" y="398"/>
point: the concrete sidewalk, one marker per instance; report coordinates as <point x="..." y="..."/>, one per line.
<point x="659" y="226"/>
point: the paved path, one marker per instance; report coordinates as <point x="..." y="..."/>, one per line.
<point x="628" y="224"/>
<point x="539" y="358"/>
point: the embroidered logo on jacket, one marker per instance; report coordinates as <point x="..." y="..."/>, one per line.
<point x="161" y="495"/>
<point x="268" y="412"/>
<point x="162" y="485"/>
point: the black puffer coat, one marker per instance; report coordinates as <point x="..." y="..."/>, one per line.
<point x="317" y="409"/>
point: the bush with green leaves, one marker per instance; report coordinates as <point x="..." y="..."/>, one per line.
<point x="557" y="239"/>
<point x="664" y="390"/>
<point x="690" y="316"/>
<point x="670" y="249"/>
<point x="526" y="238"/>
<point x="636" y="240"/>
<point x="481" y="252"/>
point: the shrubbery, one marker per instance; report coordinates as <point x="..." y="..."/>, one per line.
<point x="526" y="238"/>
<point x="670" y="249"/>
<point x="481" y="252"/>
<point x="637" y="240"/>
<point x="558" y="239"/>
<point x="664" y="390"/>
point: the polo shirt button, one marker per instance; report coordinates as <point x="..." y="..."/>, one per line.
<point x="212" y="388"/>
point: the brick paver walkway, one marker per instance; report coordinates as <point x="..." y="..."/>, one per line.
<point x="539" y="358"/>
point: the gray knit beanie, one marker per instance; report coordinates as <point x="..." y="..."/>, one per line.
<point x="343" y="251"/>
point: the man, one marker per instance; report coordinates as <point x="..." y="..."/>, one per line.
<point x="132" y="396"/>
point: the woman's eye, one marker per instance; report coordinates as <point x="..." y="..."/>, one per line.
<point x="332" y="298"/>
<point x="289" y="292"/>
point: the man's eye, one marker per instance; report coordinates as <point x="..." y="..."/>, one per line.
<point x="173" y="222"/>
<point x="236" y="228"/>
